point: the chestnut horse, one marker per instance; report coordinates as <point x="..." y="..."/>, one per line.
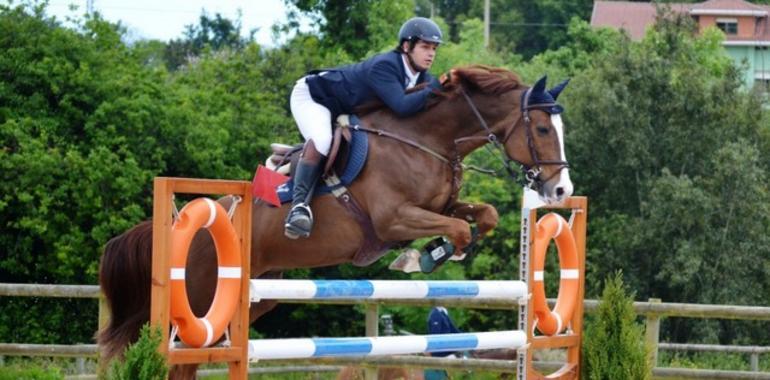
<point x="408" y="190"/>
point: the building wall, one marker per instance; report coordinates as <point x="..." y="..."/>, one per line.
<point x="754" y="60"/>
<point x="746" y="25"/>
<point x="762" y="68"/>
<point x="744" y="58"/>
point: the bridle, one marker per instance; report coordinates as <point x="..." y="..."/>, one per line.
<point x="531" y="174"/>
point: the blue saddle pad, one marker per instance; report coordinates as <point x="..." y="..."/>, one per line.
<point x="359" y="149"/>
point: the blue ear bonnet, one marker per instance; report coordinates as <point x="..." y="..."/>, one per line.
<point x="539" y="95"/>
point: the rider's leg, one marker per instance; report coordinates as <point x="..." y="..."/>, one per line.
<point x="314" y="122"/>
<point x="299" y="222"/>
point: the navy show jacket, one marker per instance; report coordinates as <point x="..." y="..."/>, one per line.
<point x="381" y="77"/>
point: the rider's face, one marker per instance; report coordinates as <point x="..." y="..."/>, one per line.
<point x="423" y="55"/>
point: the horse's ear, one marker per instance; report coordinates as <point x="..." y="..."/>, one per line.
<point x="539" y="85"/>
<point x="558" y="89"/>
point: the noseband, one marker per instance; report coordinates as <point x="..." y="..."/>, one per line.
<point x="531" y="174"/>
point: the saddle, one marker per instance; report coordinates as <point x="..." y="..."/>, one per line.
<point x="347" y="156"/>
<point x="284" y="157"/>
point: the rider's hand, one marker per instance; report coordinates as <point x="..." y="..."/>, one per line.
<point x="445" y="78"/>
<point x="435" y="89"/>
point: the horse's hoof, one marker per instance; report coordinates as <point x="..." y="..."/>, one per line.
<point x="407" y="262"/>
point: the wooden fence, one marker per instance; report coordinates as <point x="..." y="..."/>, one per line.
<point x="653" y="311"/>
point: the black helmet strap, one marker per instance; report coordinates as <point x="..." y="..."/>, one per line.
<point x="412" y="42"/>
<point x="412" y="63"/>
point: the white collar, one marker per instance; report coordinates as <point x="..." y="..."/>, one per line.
<point x="411" y="77"/>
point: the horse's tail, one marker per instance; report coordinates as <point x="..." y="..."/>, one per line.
<point x="124" y="277"/>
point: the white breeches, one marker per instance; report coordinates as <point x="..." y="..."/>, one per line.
<point x="314" y="120"/>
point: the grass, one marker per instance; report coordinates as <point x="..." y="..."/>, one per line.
<point x="711" y="360"/>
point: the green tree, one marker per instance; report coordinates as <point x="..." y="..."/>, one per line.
<point x="525" y="28"/>
<point x="212" y="33"/>
<point x="83" y="130"/>
<point x="667" y="146"/>
<point x="357" y="27"/>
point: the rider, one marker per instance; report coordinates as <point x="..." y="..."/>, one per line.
<point x="323" y="95"/>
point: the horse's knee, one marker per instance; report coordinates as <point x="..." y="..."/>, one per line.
<point x="488" y="219"/>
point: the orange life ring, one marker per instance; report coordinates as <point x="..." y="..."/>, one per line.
<point x="553" y="226"/>
<point x="205" y="213"/>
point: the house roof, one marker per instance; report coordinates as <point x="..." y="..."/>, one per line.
<point x="726" y="5"/>
<point x="635" y="17"/>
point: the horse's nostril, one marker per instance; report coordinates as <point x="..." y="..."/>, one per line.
<point x="559" y="191"/>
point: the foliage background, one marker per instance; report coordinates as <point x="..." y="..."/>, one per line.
<point x="669" y="148"/>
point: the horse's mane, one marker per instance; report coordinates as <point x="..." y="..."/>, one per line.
<point x="487" y="79"/>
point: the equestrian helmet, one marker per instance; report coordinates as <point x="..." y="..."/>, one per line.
<point x="420" y="28"/>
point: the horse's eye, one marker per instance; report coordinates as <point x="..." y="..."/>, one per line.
<point x="542" y="130"/>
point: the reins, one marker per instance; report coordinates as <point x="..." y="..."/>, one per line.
<point x="380" y="132"/>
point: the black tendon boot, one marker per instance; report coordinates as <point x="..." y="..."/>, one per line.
<point x="299" y="222"/>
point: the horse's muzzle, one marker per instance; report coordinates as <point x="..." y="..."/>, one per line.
<point x="556" y="188"/>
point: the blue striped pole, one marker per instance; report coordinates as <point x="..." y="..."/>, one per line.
<point x="300" y="348"/>
<point x="384" y="289"/>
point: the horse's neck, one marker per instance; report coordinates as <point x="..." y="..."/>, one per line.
<point x="466" y="126"/>
<point x="428" y="129"/>
<point x="439" y="127"/>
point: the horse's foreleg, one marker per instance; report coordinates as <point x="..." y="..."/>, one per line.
<point x="411" y="223"/>
<point x="484" y="215"/>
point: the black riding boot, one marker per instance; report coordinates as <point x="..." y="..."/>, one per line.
<point x="299" y="222"/>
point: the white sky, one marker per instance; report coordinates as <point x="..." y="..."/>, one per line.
<point x="165" y="20"/>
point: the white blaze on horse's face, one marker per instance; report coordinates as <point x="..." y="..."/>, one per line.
<point x="560" y="186"/>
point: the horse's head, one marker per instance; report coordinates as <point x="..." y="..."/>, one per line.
<point x="542" y="131"/>
<point x="525" y="123"/>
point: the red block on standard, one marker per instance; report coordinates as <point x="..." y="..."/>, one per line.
<point x="265" y="184"/>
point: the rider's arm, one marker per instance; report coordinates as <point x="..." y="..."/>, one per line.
<point x="383" y="79"/>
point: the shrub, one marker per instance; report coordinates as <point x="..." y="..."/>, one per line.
<point x="142" y="360"/>
<point x="613" y="345"/>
